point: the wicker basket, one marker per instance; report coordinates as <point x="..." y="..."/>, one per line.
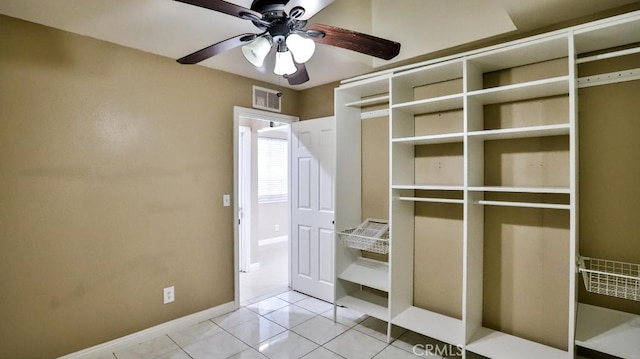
<point x="372" y="236"/>
<point x="616" y="279"/>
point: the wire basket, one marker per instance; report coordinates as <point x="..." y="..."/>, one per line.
<point x="375" y="228"/>
<point x="372" y="236"/>
<point x="616" y="279"/>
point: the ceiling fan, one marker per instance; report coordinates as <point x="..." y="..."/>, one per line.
<point x="283" y="24"/>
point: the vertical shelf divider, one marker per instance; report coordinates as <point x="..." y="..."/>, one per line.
<point x="401" y="227"/>
<point x="473" y="213"/>
<point x="573" y="194"/>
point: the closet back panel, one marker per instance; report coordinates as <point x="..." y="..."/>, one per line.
<point x="438" y="89"/>
<point x="526" y="73"/>
<point x="439" y="164"/>
<point x="526" y="265"/>
<point x="609" y="175"/>
<point x="375" y="168"/>
<point x="614" y="64"/>
<point x="438" y="256"/>
<point x="375" y="174"/>
<point x="535" y="162"/>
<point x="535" y="112"/>
<point x="439" y="123"/>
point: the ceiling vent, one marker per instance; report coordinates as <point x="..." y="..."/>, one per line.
<point x="267" y="99"/>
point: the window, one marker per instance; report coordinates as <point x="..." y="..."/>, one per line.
<point x="272" y="170"/>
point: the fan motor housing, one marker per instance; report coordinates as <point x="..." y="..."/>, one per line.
<point x="269" y="7"/>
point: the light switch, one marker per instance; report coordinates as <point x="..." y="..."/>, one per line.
<point x="226" y="200"/>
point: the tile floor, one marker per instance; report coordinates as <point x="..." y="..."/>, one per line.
<point x="289" y="325"/>
<point x="272" y="277"/>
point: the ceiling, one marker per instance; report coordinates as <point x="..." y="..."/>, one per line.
<point x="172" y="29"/>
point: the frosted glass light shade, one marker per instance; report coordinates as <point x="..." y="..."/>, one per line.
<point x="284" y="64"/>
<point x="301" y="47"/>
<point x="256" y="51"/>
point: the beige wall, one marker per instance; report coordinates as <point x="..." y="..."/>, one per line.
<point x="113" y="163"/>
<point x="317" y="102"/>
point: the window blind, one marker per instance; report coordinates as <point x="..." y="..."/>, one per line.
<point x="272" y="170"/>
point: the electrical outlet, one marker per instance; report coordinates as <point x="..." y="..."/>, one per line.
<point x="226" y="200"/>
<point x="168" y="295"/>
<point x="277" y="226"/>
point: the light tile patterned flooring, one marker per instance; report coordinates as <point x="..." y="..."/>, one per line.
<point x="289" y="325"/>
<point x="271" y="278"/>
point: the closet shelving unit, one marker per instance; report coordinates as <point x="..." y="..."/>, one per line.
<point x="603" y="329"/>
<point x="516" y="166"/>
<point x="483" y="169"/>
<point x="360" y="281"/>
<point x="426" y="172"/>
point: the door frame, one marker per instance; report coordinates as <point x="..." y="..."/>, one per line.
<point x="244" y="201"/>
<point x="242" y="112"/>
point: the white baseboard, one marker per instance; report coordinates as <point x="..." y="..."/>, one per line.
<point x="150" y="333"/>
<point x="273" y="240"/>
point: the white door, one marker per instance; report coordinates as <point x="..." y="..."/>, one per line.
<point x="312" y="209"/>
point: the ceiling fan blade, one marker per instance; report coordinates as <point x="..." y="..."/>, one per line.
<point x="299" y="77"/>
<point x="356" y="41"/>
<point x="215" y="49"/>
<point x="311" y="7"/>
<point x="224" y="7"/>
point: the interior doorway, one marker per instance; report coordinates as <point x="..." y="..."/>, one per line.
<point x="262" y="204"/>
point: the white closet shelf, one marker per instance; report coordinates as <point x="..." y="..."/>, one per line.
<point x="439" y="72"/>
<point x="606" y="36"/>
<point x="367" y="303"/>
<point x="378" y="100"/>
<point x="498" y="345"/>
<point x="429" y="187"/>
<point x="556" y="190"/>
<point x="367" y="88"/>
<point x="608" y="55"/>
<point x="521" y="132"/>
<point x="522" y="53"/>
<point x="368" y="272"/>
<point x="434" y="325"/>
<point x="432" y="200"/>
<point x="608" y="331"/>
<point x="522" y="91"/>
<point x="436" y="104"/>
<point x="525" y="204"/>
<point x="430" y="139"/>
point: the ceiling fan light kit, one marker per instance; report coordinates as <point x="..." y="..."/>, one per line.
<point x="256" y="51"/>
<point x="284" y="63"/>
<point x="302" y="48"/>
<point x="283" y="23"/>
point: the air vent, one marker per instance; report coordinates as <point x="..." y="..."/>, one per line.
<point x="267" y="99"/>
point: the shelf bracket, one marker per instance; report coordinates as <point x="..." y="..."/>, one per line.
<point x="609" y="78"/>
